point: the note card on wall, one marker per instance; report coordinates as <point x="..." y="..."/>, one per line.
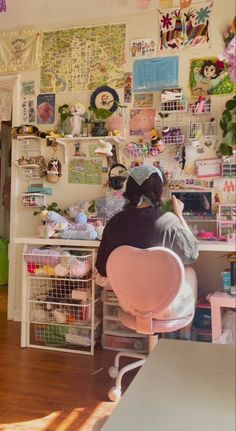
<point x="155" y="74"/>
<point x="208" y="168"/>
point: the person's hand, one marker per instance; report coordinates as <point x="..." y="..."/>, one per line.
<point x="178" y="206"/>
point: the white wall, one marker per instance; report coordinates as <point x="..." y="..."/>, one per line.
<point x="139" y="25"/>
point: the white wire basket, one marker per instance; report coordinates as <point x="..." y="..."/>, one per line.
<point x="209" y="128"/>
<point x="30" y="145"/>
<point x="60" y="313"/>
<point x="62" y="264"/>
<point x="57" y="289"/>
<point x="33" y="200"/>
<point x="30" y="172"/>
<point x="64" y="336"/>
<point x="198" y="108"/>
<point x="195" y="132"/>
<point x="174" y="106"/>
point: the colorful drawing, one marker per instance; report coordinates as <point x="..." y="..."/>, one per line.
<point x="142" y="47"/>
<point x="142" y="121"/>
<point x="85" y="171"/>
<point x="28" y="110"/>
<point x="28" y="88"/>
<point x="83" y="58"/>
<point x="210" y="76"/>
<point x="20" y="50"/>
<point x="46" y="108"/>
<point x="187" y="27"/>
<point x="144" y="100"/>
<point x="128" y="87"/>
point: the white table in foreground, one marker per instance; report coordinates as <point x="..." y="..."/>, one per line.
<point x="183" y="386"/>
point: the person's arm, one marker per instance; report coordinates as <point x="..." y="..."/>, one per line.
<point x="177" y="235"/>
<point x="102" y="254"/>
<point x="178" y="207"/>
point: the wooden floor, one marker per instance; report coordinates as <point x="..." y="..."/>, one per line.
<point x="50" y="391"/>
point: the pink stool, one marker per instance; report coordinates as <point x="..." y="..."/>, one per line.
<point x="219" y="300"/>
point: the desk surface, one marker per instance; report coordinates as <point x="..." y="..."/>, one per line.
<point x="220" y="246"/>
<point x="182" y="386"/>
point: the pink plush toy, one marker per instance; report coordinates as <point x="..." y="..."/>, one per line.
<point x="80" y="268"/>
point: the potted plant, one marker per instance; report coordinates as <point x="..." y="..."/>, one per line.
<point x="228" y="126"/>
<point x="65" y="114"/>
<point x="99" y="115"/>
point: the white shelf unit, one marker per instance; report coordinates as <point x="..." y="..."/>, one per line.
<point x="115" y="335"/>
<point x="61" y="308"/>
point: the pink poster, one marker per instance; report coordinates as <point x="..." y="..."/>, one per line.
<point x="142" y="121"/>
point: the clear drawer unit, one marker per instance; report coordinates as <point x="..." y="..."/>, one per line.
<point x="115" y="335"/>
<point x="61" y="308"/>
<point x="226" y="221"/>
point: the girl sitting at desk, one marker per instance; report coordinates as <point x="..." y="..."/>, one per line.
<point x="143" y="224"/>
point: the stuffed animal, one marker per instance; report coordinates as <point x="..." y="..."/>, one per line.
<point x="104" y="148"/>
<point x="77" y="111"/>
<point x="79" y="268"/>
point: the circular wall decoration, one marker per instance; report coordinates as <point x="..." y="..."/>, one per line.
<point x="105" y="97"/>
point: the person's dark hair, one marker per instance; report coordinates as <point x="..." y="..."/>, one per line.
<point x="152" y="188"/>
<point x="207" y="63"/>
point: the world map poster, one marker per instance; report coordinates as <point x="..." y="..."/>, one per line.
<point x="83" y="59"/>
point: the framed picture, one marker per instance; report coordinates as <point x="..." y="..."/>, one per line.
<point x="208" y="168"/>
<point x="105" y="97"/>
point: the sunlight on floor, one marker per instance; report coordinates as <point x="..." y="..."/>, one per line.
<point x="99" y="416"/>
<point x="57" y="421"/>
<point x="35" y="425"/>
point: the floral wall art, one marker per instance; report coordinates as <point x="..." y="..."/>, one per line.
<point x="187" y="27"/>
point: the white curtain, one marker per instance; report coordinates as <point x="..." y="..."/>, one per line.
<point x="6" y="95"/>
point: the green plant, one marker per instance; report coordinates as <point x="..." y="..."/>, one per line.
<point x="228" y="126"/>
<point x="102" y="114"/>
<point x="51" y="207"/>
<point x="64" y="112"/>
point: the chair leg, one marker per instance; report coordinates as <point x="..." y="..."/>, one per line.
<point x="127" y="354"/>
<point x="115" y="393"/>
<point x="113" y="370"/>
<point x="152" y="341"/>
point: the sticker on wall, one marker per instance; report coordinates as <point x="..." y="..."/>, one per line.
<point x="144" y="100"/>
<point x="46" y="108"/>
<point x="185" y="28"/>
<point x="28" y="110"/>
<point x="128" y="87"/>
<point x="28" y="88"/>
<point x="144" y="47"/>
<point x="210" y="76"/>
<point x="141" y="121"/>
<point x="85" y="171"/>
<point x="142" y="4"/>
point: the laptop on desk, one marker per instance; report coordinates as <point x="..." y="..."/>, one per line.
<point x="197" y="204"/>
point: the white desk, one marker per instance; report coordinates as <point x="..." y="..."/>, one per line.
<point x="220" y="246"/>
<point x="183" y="386"/>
